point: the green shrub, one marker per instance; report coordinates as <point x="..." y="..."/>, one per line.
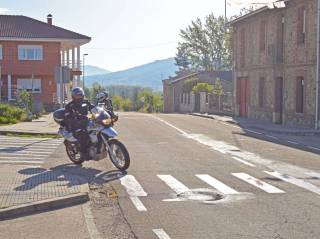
<point x="10" y="114"/>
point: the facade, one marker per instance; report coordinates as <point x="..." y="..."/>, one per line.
<point x="275" y="59"/>
<point x="180" y="99"/>
<point x="30" y="52"/>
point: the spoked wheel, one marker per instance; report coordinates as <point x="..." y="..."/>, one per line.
<point x="119" y="155"/>
<point x="73" y="153"/>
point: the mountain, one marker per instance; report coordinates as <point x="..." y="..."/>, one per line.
<point x="93" y="70"/>
<point x="148" y="75"/>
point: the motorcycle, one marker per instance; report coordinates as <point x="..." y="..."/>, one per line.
<point x="103" y="142"/>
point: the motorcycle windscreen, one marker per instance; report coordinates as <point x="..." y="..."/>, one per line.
<point x="110" y="132"/>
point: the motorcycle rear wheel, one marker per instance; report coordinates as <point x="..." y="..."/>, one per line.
<point x="119" y="155"/>
<point x="73" y="153"/>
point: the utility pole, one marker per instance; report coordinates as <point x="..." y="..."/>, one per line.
<point x="83" y="70"/>
<point x="318" y="68"/>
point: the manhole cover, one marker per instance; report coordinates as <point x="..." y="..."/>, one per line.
<point x="201" y="194"/>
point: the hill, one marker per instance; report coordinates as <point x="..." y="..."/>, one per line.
<point x="148" y="75"/>
<point x="93" y="70"/>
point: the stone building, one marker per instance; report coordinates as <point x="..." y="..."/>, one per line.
<point x="180" y="99"/>
<point x="275" y="59"/>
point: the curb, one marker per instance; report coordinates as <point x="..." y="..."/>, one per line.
<point x="17" y="133"/>
<point x="302" y="133"/>
<point x="43" y="206"/>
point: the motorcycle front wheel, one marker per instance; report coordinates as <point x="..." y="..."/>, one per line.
<point x="73" y="153"/>
<point x="119" y="155"/>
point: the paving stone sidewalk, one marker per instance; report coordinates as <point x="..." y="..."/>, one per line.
<point x="43" y="125"/>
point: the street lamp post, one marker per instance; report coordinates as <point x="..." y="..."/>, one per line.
<point x="83" y="69"/>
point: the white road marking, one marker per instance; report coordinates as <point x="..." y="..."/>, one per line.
<point x="174" y="184"/>
<point x="298" y="182"/>
<point x="23" y="154"/>
<point x="292" y="142"/>
<point x="258" y="183"/>
<point x="161" y="234"/>
<point x="90" y="222"/>
<point x="252" y="131"/>
<point x="272" y="137"/>
<point x="226" y="148"/>
<point x="244" y="162"/>
<point x="20" y="161"/>
<point x="230" y="125"/>
<point x="216" y="184"/>
<point x="24" y="157"/>
<point x="314" y="174"/>
<point x="138" y="204"/>
<point x="311" y="147"/>
<point x="135" y="190"/>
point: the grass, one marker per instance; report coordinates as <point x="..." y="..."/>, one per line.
<point x="31" y="135"/>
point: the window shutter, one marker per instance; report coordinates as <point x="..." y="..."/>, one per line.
<point x="262" y="36"/>
<point x="301" y="26"/>
<point x="299" y="94"/>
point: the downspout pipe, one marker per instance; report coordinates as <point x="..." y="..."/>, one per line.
<point x="318" y="67"/>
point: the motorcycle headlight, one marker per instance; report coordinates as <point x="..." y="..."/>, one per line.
<point x="107" y="121"/>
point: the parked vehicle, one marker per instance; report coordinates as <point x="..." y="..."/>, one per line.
<point x="103" y="142"/>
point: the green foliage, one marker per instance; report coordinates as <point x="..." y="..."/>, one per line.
<point x="25" y="100"/>
<point x="10" y="114"/>
<point x="218" y="87"/>
<point x="205" y="45"/>
<point x="203" y="87"/>
<point x="151" y="102"/>
<point x="189" y="84"/>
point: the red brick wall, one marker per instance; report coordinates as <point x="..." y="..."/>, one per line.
<point x="43" y="70"/>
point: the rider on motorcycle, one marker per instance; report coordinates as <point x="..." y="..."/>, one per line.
<point x="76" y="113"/>
<point x="103" y="98"/>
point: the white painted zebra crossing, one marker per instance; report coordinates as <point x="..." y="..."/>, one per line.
<point x="19" y="150"/>
<point x="135" y="189"/>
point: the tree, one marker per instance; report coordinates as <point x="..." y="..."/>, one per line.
<point x="26" y="101"/>
<point x="203" y="87"/>
<point x="189" y="84"/>
<point x="218" y="90"/>
<point x="205" y="45"/>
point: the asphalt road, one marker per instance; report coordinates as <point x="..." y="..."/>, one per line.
<point x="181" y="164"/>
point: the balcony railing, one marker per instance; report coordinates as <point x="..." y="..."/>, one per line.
<point x="75" y="66"/>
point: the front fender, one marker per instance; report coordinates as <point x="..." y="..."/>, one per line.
<point x="110" y="132"/>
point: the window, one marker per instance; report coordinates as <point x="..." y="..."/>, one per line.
<point x="261" y="92"/>
<point x="263" y="34"/>
<point x="30" y="85"/>
<point x="181" y="98"/>
<point x="1" y="52"/>
<point x="189" y="98"/>
<point x="28" y="52"/>
<point x="300" y="94"/>
<point x="301" y="31"/>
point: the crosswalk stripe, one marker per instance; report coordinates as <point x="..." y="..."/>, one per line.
<point x="295" y="181"/>
<point x="174" y="184"/>
<point x="161" y="234"/>
<point x="37" y="154"/>
<point x="20" y="162"/>
<point x="135" y="190"/>
<point x="216" y="184"/>
<point x="25" y="158"/>
<point x="258" y="183"/>
<point x="244" y="162"/>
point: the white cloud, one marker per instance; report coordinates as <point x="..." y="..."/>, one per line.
<point x="4" y="11"/>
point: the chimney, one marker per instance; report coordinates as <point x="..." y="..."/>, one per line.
<point x="49" y="19"/>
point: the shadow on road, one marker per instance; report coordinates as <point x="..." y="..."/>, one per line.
<point x="72" y="174"/>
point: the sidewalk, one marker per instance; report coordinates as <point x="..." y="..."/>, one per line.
<point x="262" y="125"/>
<point x="43" y="125"/>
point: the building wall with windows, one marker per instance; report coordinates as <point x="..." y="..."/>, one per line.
<point x="31" y="66"/>
<point x="275" y="63"/>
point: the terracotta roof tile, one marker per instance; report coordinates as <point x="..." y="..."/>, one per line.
<point x="25" y="27"/>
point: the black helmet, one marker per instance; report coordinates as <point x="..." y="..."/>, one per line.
<point x="77" y="93"/>
<point x="102" y="96"/>
<point x="59" y="116"/>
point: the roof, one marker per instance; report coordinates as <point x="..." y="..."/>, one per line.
<point x="22" y="27"/>
<point x="272" y="6"/>
<point x="224" y="75"/>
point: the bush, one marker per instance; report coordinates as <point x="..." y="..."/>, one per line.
<point x="10" y="114"/>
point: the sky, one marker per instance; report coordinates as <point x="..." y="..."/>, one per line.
<point x="125" y="33"/>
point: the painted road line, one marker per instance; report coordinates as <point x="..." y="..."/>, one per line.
<point x="174" y="184"/>
<point x="25" y="158"/>
<point x="272" y="137"/>
<point x="161" y="234"/>
<point x="295" y="181"/>
<point x="35" y="151"/>
<point x="258" y="183"/>
<point x="252" y="131"/>
<point x="20" y="162"/>
<point x="292" y="142"/>
<point x="135" y="190"/>
<point x="171" y="125"/>
<point x="138" y="204"/>
<point x="314" y="174"/>
<point x="216" y="184"/>
<point x="310" y="147"/>
<point x="244" y="162"/>
<point x="20" y="154"/>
